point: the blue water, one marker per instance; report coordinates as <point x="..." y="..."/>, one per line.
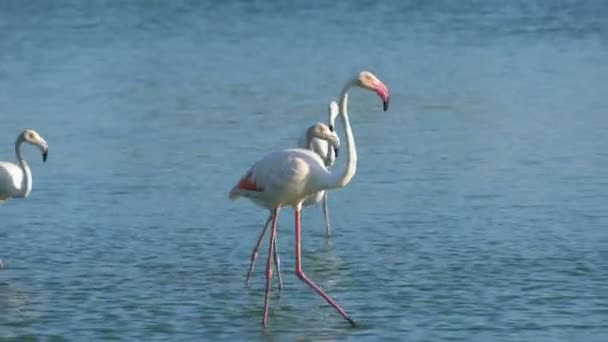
<point x="478" y="212"/>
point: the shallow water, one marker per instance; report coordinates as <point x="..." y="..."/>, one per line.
<point x="478" y="211"/>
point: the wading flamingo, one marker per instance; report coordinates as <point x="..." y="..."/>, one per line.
<point x="288" y="177"/>
<point x="328" y="155"/>
<point x="16" y="179"/>
<point x="322" y="148"/>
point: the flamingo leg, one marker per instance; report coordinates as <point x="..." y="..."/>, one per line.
<point x="273" y="233"/>
<point x="305" y="278"/>
<point x="254" y="254"/>
<point x="326" y="214"/>
<point x="277" y="261"/>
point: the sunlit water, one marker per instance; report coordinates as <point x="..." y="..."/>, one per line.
<point x="478" y="212"/>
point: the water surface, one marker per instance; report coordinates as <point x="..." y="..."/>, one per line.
<point x="478" y="212"/>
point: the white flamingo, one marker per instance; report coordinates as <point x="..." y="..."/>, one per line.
<point x="16" y="179"/>
<point x="288" y="177"/>
<point x="322" y="148"/>
<point x="328" y="155"/>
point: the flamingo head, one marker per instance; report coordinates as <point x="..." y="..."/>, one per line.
<point x="369" y="81"/>
<point x="323" y="132"/>
<point x="32" y="137"/>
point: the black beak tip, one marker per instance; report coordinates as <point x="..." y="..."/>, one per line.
<point x="336" y="152"/>
<point x="45" y="155"/>
<point x="331" y="128"/>
<point x="385" y="105"/>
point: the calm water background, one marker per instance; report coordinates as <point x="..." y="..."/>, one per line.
<point x="478" y="212"/>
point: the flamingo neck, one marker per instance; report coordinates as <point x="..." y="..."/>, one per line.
<point x="309" y="138"/>
<point x="332" y="118"/>
<point x="26" y="181"/>
<point x="343" y="177"/>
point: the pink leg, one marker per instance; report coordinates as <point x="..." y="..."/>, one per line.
<point x="326" y="214"/>
<point x="277" y="262"/>
<point x="305" y="279"/>
<point x="273" y="234"/>
<point x="254" y="254"/>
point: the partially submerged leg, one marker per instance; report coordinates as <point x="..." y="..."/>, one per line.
<point x="326" y="214"/>
<point x="277" y="261"/>
<point x="273" y="233"/>
<point x="254" y="254"/>
<point x="305" y="279"/>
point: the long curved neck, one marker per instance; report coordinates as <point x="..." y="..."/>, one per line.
<point x="342" y="177"/>
<point x="26" y="181"/>
<point x="309" y="139"/>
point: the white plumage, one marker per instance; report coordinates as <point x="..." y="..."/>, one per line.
<point x="16" y="179"/>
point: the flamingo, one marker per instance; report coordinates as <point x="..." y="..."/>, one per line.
<point x="328" y="155"/>
<point x="16" y="179"/>
<point x="288" y="177"/>
<point x="320" y="147"/>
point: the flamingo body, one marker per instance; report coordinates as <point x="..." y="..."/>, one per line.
<point x="11" y="179"/>
<point x="282" y="178"/>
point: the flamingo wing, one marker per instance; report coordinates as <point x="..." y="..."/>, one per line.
<point x="248" y="183"/>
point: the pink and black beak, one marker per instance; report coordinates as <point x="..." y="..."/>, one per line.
<point x="44" y="148"/>
<point x="383" y="92"/>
